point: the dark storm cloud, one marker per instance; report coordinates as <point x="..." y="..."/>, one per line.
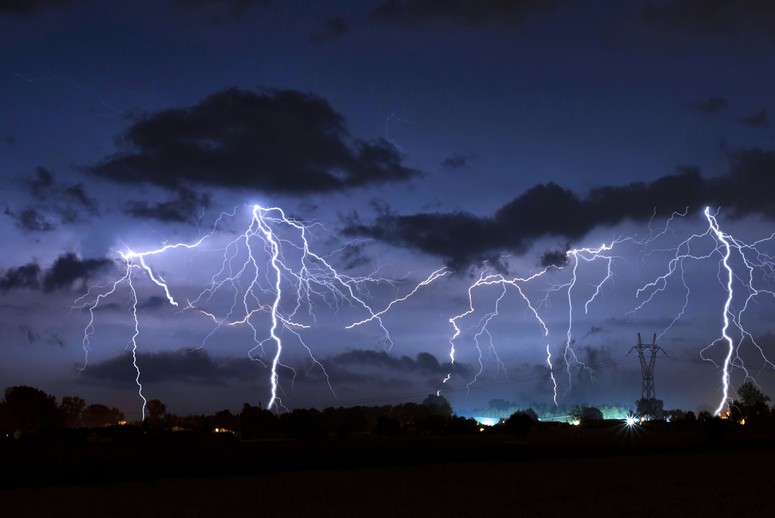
<point x="713" y="18"/>
<point x="30" y="7"/>
<point x="185" y="365"/>
<point x="549" y="210"/>
<point x="382" y="369"/>
<point x="22" y="277"/>
<point x="186" y="207"/>
<point x="710" y="105"/>
<point x="42" y="183"/>
<point x="60" y="203"/>
<point x="276" y="141"/>
<point x="756" y="120"/>
<point x="69" y="268"/>
<point x="423" y="363"/>
<point x="558" y="258"/>
<point x="455" y="162"/>
<point x="66" y="270"/>
<point x="198" y="366"/>
<point x="236" y="8"/>
<point x="459" y="12"/>
<point x="29" y="219"/>
<point x="332" y="29"/>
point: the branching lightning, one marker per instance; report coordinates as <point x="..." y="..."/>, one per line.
<point x="272" y="282"/>
<point x="741" y="266"/>
<point x="268" y="270"/>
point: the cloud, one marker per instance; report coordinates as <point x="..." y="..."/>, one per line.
<point x="378" y="368"/>
<point x="60" y="204"/>
<point x="712" y="18"/>
<point x="33" y="337"/>
<point x="558" y="258"/>
<point x="66" y="270"/>
<point x="22" y="277"/>
<point x="710" y="105"/>
<point x="276" y="141"/>
<point x="549" y="210"/>
<point x="455" y="161"/>
<point x="199" y="367"/>
<point x="756" y="120"/>
<point x="459" y="12"/>
<point x="29" y="333"/>
<point x="333" y="29"/>
<point x="236" y="8"/>
<point x="185" y="365"/>
<point x="186" y="207"/>
<point x="29" y="219"/>
<point x="30" y="7"/>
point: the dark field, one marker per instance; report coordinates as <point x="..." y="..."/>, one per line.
<point x="604" y="472"/>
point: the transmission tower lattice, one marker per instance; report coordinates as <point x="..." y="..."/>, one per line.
<point x="648" y="403"/>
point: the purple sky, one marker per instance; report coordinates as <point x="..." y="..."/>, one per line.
<point x="481" y="136"/>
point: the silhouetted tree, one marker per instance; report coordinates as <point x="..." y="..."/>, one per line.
<point x="531" y="413"/>
<point x="438" y="405"/>
<point x="305" y="425"/>
<point x="388" y="426"/>
<point x="30" y="409"/>
<point x="750" y="394"/>
<point x="752" y="405"/>
<point x="461" y="426"/>
<point x="704" y="415"/>
<point x="71" y="409"/>
<point x="97" y="415"/>
<point x="6" y="423"/>
<point x="155" y="411"/>
<point x="586" y="413"/>
<point x="255" y="422"/>
<point x="434" y="424"/>
<point x="519" y="423"/>
<point x="650" y="408"/>
<point x="225" y="419"/>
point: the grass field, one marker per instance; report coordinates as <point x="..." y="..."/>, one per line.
<point x="585" y="474"/>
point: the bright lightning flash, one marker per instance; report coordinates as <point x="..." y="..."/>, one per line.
<point x="742" y="269"/>
<point x="268" y="270"/>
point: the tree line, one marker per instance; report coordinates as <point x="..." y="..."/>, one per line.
<point x="27" y="411"/>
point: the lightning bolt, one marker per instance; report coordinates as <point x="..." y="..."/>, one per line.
<point x="740" y="264"/>
<point x="269" y="269"/>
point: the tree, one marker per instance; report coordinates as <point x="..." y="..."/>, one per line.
<point x="650" y="408"/>
<point x="156" y="412"/>
<point x="586" y="413"/>
<point x="71" y="409"/>
<point x="438" y="405"/>
<point x="751" y="395"/>
<point x="255" y="422"/>
<point x="305" y="425"/>
<point x="519" y="423"/>
<point x="752" y="404"/>
<point x="389" y="426"/>
<point x="30" y="409"/>
<point x="97" y="416"/>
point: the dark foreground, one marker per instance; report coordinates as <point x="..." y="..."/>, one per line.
<point x="593" y="472"/>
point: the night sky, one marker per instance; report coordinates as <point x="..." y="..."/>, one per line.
<point x="487" y="137"/>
